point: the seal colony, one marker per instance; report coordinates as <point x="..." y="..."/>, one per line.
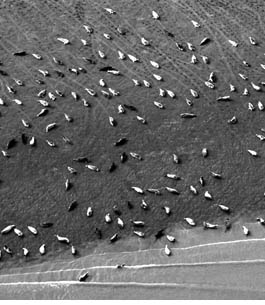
<point x="109" y="66"/>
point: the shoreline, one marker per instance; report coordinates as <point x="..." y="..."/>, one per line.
<point x="186" y="239"/>
<point x="201" y="266"/>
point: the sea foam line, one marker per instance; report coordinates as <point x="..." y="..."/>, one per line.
<point x="144" y="266"/>
<point x="200" y="286"/>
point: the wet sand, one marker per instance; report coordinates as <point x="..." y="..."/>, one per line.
<point x="32" y="180"/>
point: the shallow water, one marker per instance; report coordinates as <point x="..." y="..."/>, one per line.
<point x="216" y="265"/>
